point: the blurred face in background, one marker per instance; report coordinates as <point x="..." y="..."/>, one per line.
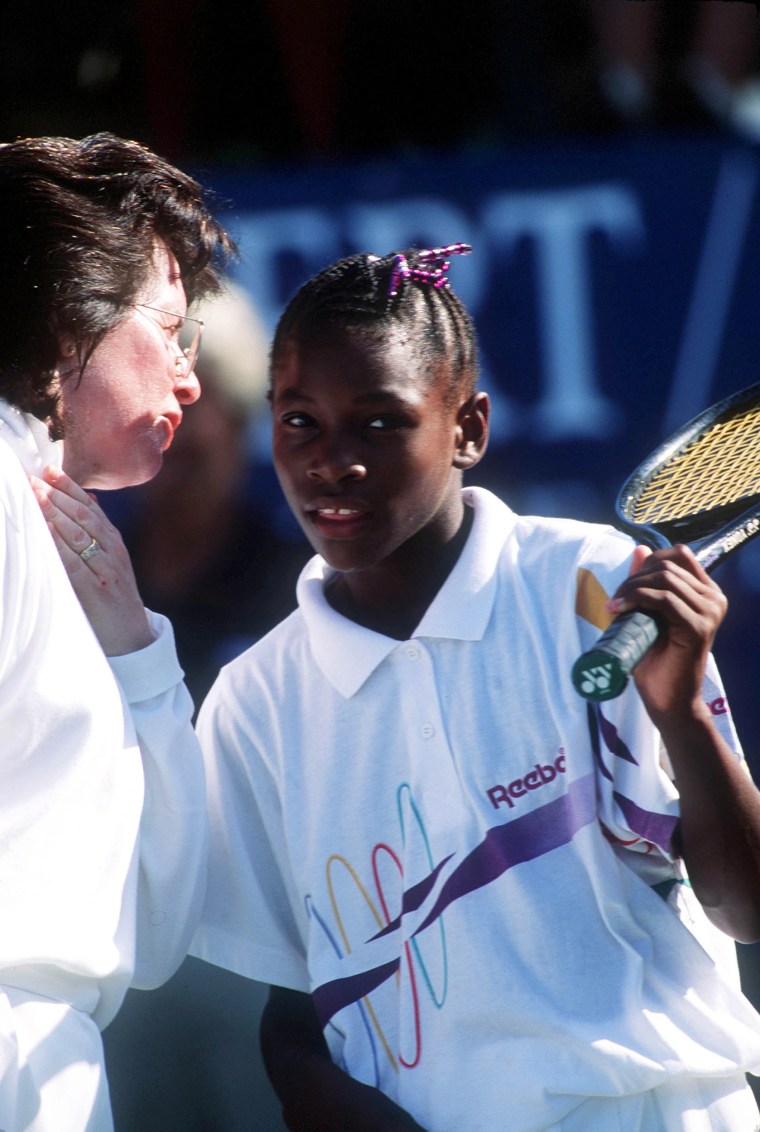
<point x="207" y="459"/>
<point x="207" y="465"/>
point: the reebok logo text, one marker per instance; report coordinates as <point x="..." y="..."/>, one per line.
<point x="540" y="775"/>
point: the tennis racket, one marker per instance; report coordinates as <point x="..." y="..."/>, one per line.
<point x="700" y="487"/>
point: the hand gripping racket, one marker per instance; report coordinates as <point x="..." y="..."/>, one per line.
<point x="701" y="487"/>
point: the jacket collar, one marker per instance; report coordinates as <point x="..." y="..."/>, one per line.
<point x="29" y="439"/>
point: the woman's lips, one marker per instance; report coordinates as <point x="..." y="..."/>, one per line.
<point x="167" y="428"/>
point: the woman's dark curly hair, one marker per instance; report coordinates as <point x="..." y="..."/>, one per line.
<point x="78" y="224"/>
<point x="354" y="294"/>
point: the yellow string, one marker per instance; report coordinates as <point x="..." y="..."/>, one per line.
<point x="721" y="467"/>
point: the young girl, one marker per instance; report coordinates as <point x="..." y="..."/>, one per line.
<point x="468" y="889"/>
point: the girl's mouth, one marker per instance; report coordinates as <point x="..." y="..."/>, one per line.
<point x="339" y="522"/>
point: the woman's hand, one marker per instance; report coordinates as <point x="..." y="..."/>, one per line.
<point x="96" y="561"/>
<point x="672" y="586"/>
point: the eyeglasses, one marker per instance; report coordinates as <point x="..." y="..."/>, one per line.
<point x="186" y="359"/>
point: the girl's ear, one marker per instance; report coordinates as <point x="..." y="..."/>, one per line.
<point x="473" y="418"/>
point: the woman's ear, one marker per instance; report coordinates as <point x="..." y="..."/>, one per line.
<point x="67" y="346"/>
<point x="473" y="418"/>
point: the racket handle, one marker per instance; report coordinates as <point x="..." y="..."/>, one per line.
<point x="603" y="671"/>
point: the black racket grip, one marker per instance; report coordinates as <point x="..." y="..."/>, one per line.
<point x="603" y="671"/>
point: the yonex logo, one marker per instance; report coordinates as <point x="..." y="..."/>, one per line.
<point x="541" y="775"/>
<point x="596" y="679"/>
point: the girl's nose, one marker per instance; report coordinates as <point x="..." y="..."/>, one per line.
<point x="336" y="462"/>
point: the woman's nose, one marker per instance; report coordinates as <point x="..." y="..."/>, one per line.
<point x="187" y="388"/>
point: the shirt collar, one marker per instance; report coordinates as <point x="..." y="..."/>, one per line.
<point x="348" y="654"/>
<point x="29" y="439"/>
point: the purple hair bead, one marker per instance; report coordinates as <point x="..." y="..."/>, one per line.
<point x="401" y="270"/>
<point x="434" y="274"/>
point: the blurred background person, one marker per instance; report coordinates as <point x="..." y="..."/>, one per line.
<point x="713" y="66"/>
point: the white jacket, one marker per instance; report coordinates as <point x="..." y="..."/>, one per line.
<point x="102" y="816"/>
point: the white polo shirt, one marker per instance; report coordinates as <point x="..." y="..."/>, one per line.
<point x="456" y="856"/>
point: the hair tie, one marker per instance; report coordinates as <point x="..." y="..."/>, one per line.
<point x="434" y="274"/>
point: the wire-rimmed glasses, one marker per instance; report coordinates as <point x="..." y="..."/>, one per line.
<point x="188" y="355"/>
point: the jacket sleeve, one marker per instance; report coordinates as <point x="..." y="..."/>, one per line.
<point x="173" y="842"/>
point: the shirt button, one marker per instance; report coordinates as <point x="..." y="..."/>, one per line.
<point x="412" y="652"/>
<point x="428" y="731"/>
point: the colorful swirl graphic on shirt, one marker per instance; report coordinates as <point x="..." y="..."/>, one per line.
<point x="422" y="907"/>
<point x="414" y="974"/>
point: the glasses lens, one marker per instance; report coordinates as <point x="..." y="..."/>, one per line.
<point x="190" y="340"/>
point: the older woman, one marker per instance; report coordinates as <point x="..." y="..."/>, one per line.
<point x="102" y="827"/>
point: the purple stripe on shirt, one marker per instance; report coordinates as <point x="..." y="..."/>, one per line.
<point x="612" y="739"/>
<point x="601" y="728"/>
<point x="515" y="842"/>
<point x="595" y="737"/>
<point x="332" y="997"/>
<point x="523" y="839"/>
<point x="657" y="828"/>
<point x="414" y="897"/>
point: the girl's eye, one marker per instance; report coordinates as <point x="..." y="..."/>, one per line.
<point x="297" y="420"/>
<point x="385" y="422"/>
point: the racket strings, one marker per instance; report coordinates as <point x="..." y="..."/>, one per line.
<point x="718" y="468"/>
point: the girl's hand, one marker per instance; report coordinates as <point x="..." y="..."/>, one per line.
<point x="719" y="826"/>
<point x="671" y="585"/>
<point x="96" y="561"/>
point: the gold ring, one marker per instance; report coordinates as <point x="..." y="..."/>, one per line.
<point x="90" y="551"/>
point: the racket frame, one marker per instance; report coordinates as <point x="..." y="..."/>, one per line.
<point x="713" y="547"/>
<point x="618" y="659"/>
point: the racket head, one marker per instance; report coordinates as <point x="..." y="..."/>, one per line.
<point x="701" y="486"/>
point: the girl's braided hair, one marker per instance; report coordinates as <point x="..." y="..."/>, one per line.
<point x="382" y="295"/>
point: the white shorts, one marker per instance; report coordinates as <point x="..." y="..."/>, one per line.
<point x="723" y="1104"/>
<point x="52" y="1074"/>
